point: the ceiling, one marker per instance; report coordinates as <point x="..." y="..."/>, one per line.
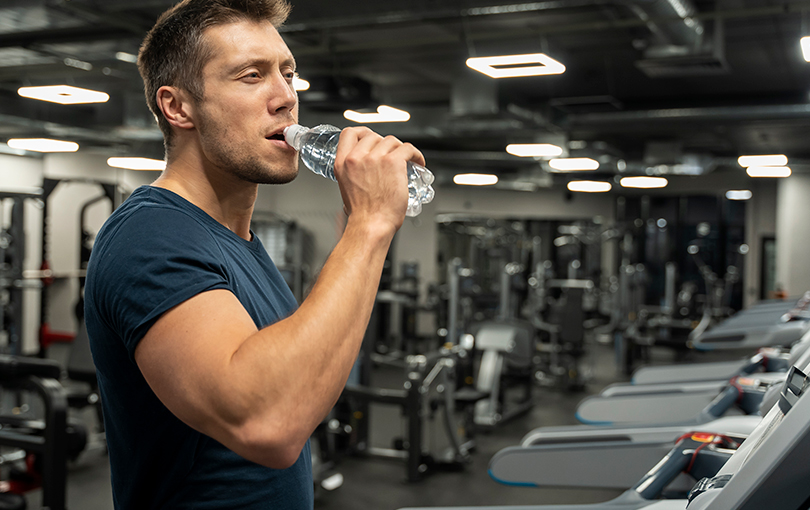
<point x="651" y="86"/>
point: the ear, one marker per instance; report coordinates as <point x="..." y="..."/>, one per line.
<point x="176" y="106"/>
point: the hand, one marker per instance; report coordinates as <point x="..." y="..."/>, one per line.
<point x="372" y="174"/>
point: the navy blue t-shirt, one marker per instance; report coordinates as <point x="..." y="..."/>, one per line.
<point x="154" y="252"/>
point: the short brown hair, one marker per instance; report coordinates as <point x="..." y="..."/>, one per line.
<point x="173" y="52"/>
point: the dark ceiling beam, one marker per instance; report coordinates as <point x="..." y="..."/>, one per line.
<point x="92" y="13"/>
<point x="62" y="35"/>
<point x="712" y="114"/>
<point x="398" y="17"/>
<point x="792" y="8"/>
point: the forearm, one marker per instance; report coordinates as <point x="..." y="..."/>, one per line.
<point x="294" y="371"/>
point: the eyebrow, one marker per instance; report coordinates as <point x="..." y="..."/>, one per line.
<point x="288" y="62"/>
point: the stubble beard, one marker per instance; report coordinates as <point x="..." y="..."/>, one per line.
<point x="239" y="160"/>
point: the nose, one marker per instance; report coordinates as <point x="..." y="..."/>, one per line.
<point x="284" y="98"/>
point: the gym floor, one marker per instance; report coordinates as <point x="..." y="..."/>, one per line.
<point x="379" y="484"/>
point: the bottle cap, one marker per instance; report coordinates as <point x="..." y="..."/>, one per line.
<point x="293" y="135"/>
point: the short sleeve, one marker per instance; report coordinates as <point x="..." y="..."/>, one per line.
<point x="154" y="260"/>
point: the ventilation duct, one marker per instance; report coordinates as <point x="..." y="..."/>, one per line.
<point x="683" y="46"/>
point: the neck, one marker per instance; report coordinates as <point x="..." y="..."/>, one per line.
<point x="224" y="197"/>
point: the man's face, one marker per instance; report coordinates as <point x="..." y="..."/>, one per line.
<point x="248" y="100"/>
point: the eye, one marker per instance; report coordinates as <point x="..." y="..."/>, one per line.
<point x="252" y="75"/>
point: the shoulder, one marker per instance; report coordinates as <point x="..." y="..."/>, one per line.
<point x="149" y="234"/>
<point x="151" y="220"/>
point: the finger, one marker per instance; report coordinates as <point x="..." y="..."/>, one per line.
<point x="408" y="152"/>
<point x="374" y="144"/>
<point x="349" y="139"/>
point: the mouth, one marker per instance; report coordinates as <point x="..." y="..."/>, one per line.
<point x="278" y="136"/>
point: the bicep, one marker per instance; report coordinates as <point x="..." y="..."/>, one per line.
<point x="185" y="358"/>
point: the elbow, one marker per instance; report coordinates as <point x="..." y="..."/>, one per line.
<point x="273" y="447"/>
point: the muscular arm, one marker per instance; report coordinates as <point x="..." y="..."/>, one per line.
<point x="262" y="392"/>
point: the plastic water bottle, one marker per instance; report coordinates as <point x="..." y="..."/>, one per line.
<point x="317" y="147"/>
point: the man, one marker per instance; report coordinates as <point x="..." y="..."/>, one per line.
<point x="211" y="380"/>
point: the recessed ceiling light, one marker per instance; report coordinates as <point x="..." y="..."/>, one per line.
<point x="739" y="194"/>
<point x="513" y="66"/>
<point x="123" y="56"/>
<point x="137" y="163"/>
<point x="763" y="160"/>
<point x="589" y="186"/>
<point x="475" y="179"/>
<point x="643" y="182"/>
<point x="384" y="114"/>
<point x="43" y="145"/>
<point x="78" y="64"/>
<point x="528" y="150"/>
<point x="300" y="83"/>
<point x="573" y="164"/>
<point x="63" y="94"/>
<point x="805" y="42"/>
<point x="768" y="171"/>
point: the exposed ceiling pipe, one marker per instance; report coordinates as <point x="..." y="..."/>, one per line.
<point x="107" y="32"/>
<point x="716" y="113"/>
<point x="63" y="130"/>
<point x="62" y="35"/>
<point x="436" y="15"/>
<point x="683" y="30"/>
<point x="561" y="28"/>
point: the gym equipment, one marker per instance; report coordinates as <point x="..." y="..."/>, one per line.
<point x="587" y="456"/>
<point x="696" y="402"/>
<point x="703" y="396"/>
<point x="429" y="385"/>
<point x="12" y="277"/>
<point x="110" y="192"/>
<point x="47" y="439"/>
<point x="770" y="323"/>
<point x="703" y="400"/>
<point x="705" y="376"/>
<point x="290" y="246"/>
<point x="769" y="470"/>
<point x="507" y="347"/>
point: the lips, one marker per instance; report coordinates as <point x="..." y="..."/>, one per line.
<point x="277" y="135"/>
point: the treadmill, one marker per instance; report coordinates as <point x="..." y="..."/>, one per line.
<point x="766" y="470"/>
<point x="695" y="402"/>
<point x="558" y="456"/>
<point x="771" y="323"/>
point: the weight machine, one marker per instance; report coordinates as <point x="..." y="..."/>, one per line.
<point x="12" y="258"/>
<point x="428" y="387"/>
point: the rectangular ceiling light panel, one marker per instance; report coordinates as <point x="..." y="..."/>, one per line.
<point x="475" y="179"/>
<point x="515" y="66"/>
<point x="63" y="94"/>
<point x="137" y="163"/>
<point x="536" y="150"/>
<point x="739" y="194"/>
<point x="768" y="171"/>
<point x="763" y="160"/>
<point x="573" y="164"/>
<point x="43" y="145"/>
<point x="384" y="114"/>
<point x="643" y="182"/>
<point x="589" y="186"/>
